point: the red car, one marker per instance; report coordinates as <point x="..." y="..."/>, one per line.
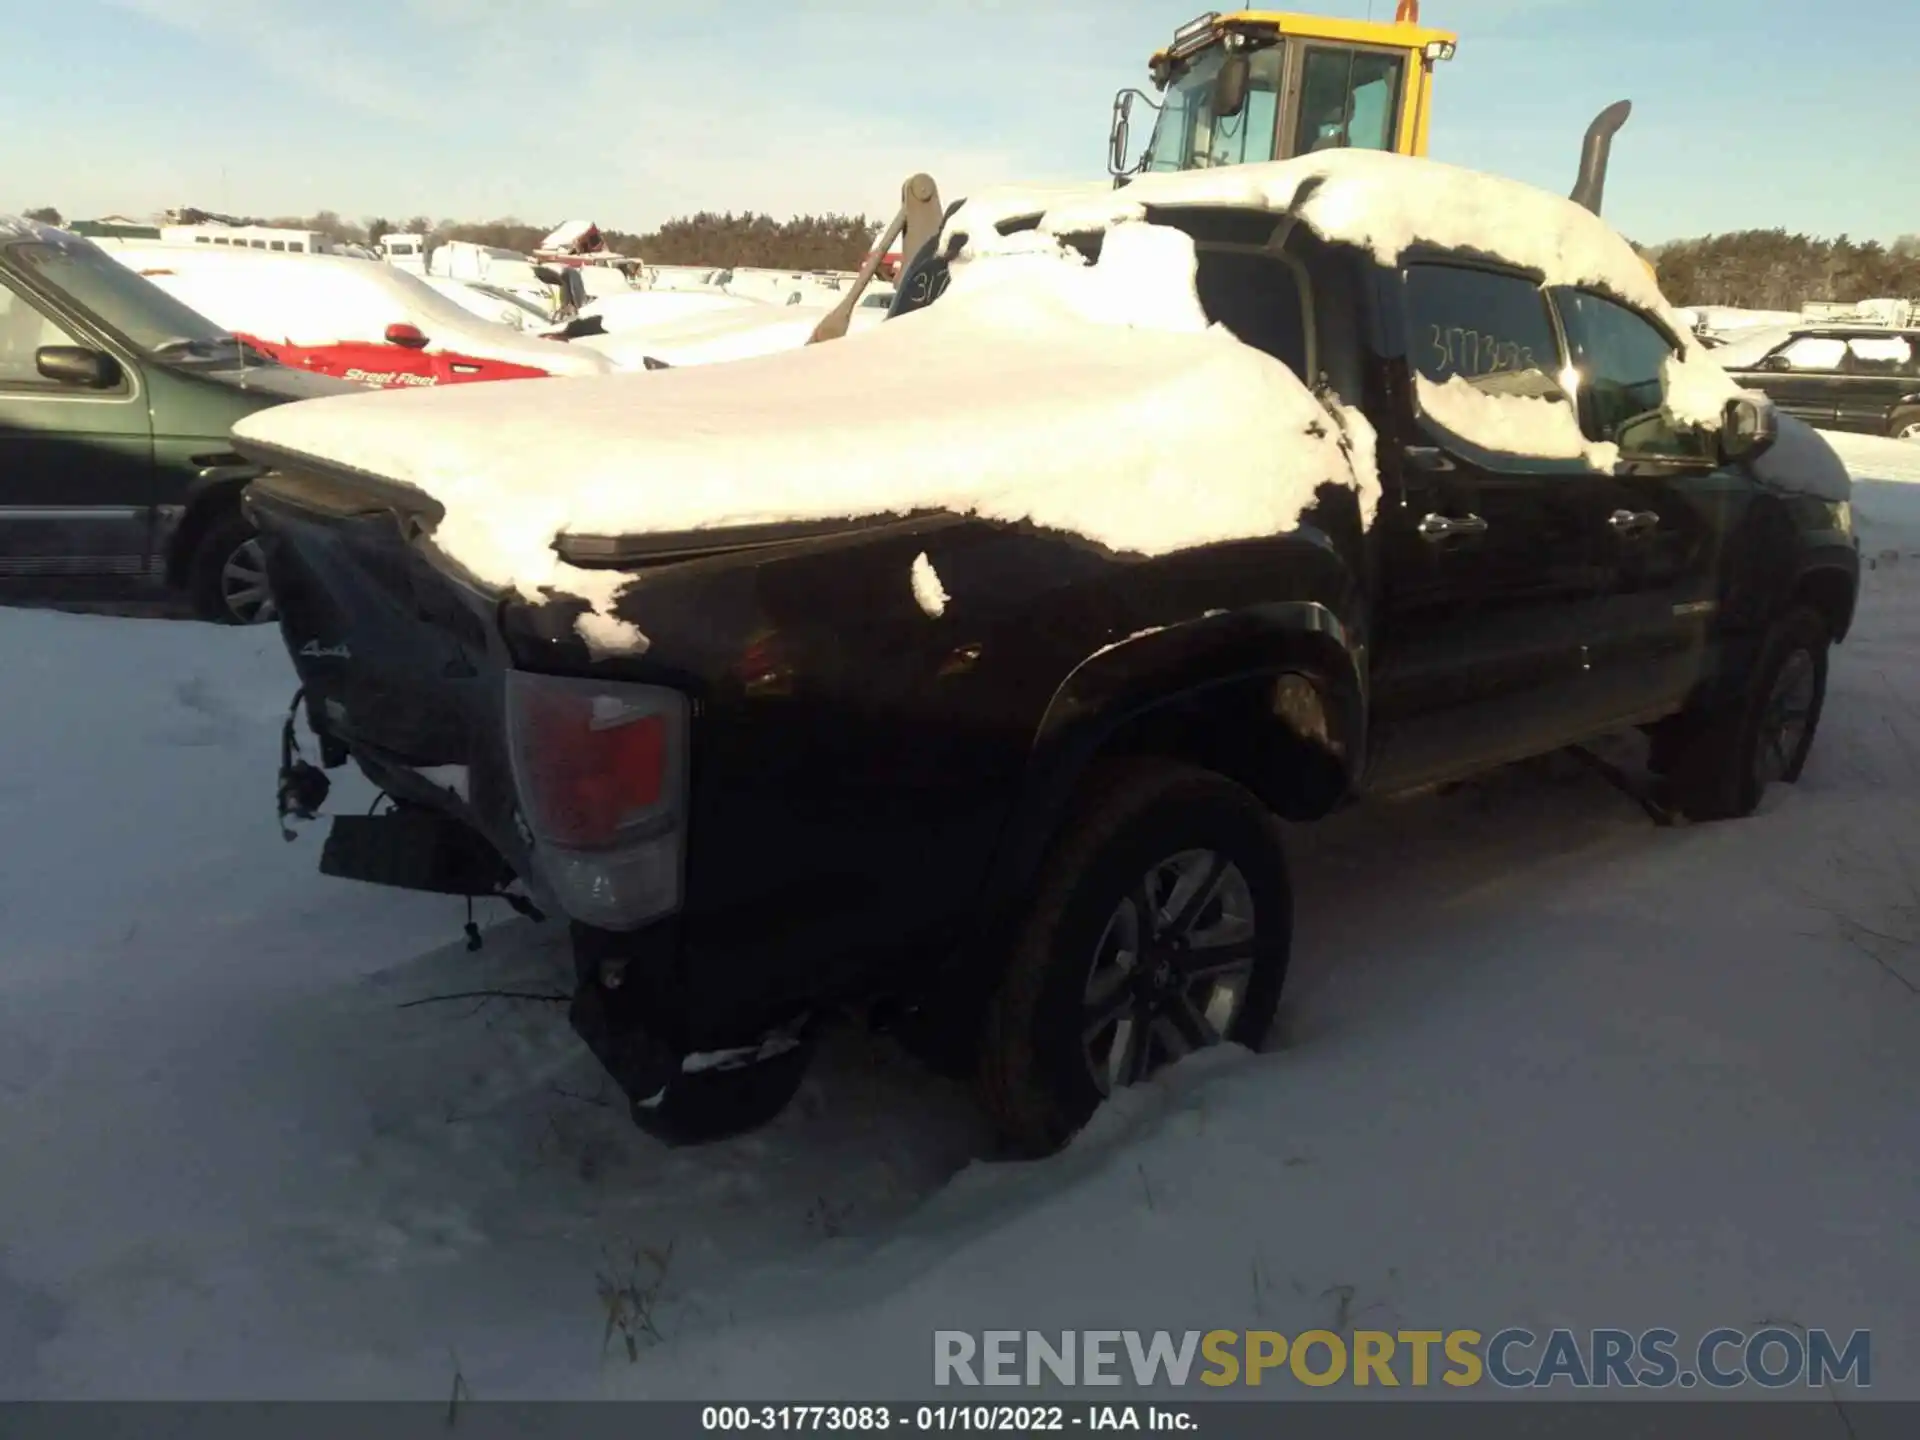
<point x="403" y="362"/>
<point x="361" y="320"/>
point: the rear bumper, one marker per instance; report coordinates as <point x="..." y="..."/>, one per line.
<point x="414" y="849"/>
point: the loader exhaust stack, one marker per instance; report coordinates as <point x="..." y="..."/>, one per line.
<point x="1589" y="189"/>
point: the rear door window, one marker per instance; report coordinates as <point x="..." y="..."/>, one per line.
<point x="1880" y="355"/>
<point x="1492" y="330"/>
<point x="1261" y="297"/>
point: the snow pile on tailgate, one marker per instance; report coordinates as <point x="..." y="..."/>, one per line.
<point x="1091" y="399"/>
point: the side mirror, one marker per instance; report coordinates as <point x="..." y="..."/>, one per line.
<point x="1230" y="87"/>
<point x="1776" y="362"/>
<point x="1748" y="428"/>
<point x="1118" y="134"/>
<point x="77" y="365"/>
<point x="549" y="275"/>
<point x="408" y="337"/>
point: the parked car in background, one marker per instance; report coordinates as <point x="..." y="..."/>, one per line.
<point x="491" y="302"/>
<point x="367" y="322"/>
<point x="115" y="404"/>
<point x="640" y="309"/>
<point x="738" y="329"/>
<point x="1843" y="377"/>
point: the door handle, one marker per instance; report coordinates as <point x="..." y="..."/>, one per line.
<point x="1632" y="522"/>
<point x="1428" y="457"/>
<point x="1444" y="527"/>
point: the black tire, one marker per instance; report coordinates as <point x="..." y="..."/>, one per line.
<point x="711" y="1105"/>
<point x="1732" y="755"/>
<point x="227" y="547"/>
<point x="1905" y="423"/>
<point x="1039" y="1051"/>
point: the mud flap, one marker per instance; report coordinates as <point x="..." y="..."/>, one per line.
<point x="640" y="1064"/>
<point x="413" y="849"/>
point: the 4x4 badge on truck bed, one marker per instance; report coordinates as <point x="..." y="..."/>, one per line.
<point x="318" y="651"/>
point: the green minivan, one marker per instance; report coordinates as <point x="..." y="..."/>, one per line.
<point x="115" y="405"/>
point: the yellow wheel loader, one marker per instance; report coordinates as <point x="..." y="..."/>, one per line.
<point x="1257" y="85"/>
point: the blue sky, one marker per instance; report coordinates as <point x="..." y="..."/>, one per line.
<point x="1747" y="112"/>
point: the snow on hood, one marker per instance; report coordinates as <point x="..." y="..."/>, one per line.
<point x="1802" y="460"/>
<point x="1095" y="400"/>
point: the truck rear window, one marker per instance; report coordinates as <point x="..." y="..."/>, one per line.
<point x="1258" y="296"/>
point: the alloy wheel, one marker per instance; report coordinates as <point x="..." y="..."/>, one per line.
<point x="1170" y="972"/>
<point x="1783" y="721"/>
<point x="243" y="585"/>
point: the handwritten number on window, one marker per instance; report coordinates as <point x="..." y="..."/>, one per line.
<point x="1473" y="353"/>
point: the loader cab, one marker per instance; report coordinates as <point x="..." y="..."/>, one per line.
<point x="1265" y="85"/>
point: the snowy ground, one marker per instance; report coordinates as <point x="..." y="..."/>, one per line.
<point x="1541" y="1064"/>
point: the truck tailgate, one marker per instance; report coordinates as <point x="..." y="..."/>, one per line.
<point x="396" y="656"/>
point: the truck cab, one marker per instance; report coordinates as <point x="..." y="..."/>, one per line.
<point x="1257" y="85"/>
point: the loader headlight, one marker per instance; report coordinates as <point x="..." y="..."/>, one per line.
<point x="1440" y="49"/>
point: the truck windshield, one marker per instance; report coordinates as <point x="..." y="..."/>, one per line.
<point x="1188" y="136"/>
<point x="137" y="309"/>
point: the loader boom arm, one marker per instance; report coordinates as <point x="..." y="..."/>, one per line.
<point x="918" y="221"/>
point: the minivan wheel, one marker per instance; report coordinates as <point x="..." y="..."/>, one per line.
<point x="227" y="577"/>
<point x="1764" y="737"/>
<point x="1161" y="925"/>
<point x="1905" y="424"/>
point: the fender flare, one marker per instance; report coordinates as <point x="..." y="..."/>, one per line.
<point x="213" y="488"/>
<point x="1224" y="665"/>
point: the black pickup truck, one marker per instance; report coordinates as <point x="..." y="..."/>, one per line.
<point x="1036" y="823"/>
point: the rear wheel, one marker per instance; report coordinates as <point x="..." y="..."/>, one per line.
<point x="227" y="576"/>
<point x="1161" y="925"/>
<point x="1905" y="424"/>
<point x="1731" y="756"/>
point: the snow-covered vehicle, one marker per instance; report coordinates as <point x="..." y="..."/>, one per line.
<point x="962" y="669"/>
<point x="640" y="309"/>
<point x="492" y="302"/>
<point x="370" y="323"/>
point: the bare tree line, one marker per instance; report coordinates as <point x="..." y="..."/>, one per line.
<point x="1754" y="269"/>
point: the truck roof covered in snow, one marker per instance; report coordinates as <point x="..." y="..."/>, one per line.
<point x="1040" y="387"/>
<point x="1381" y="202"/>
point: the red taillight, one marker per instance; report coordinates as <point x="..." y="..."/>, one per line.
<point x="593" y="762"/>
